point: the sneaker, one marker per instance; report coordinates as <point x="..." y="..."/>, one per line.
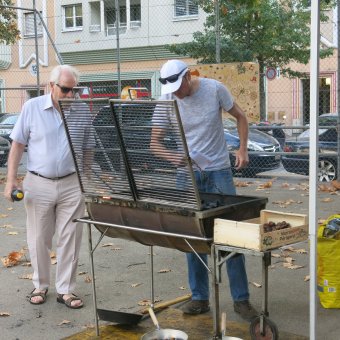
<point x="245" y="309"/>
<point x="195" y="307"/>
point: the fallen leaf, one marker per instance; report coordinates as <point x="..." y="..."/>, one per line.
<point x="147" y="302"/>
<point x="82" y="273"/>
<point x="12" y="258"/>
<point x="3" y="215"/>
<point x="327" y="199"/>
<point x="107" y="245"/>
<point x="53" y="255"/>
<point x="88" y="279"/>
<point x="292" y="266"/>
<point x="257" y="285"/>
<point x="307" y="278"/>
<point x="134" y="285"/>
<point x="336" y="184"/>
<point x="26" y="276"/>
<point x="10" y="208"/>
<point x="165" y="270"/>
<point x="89" y="326"/>
<point x="54" y="261"/>
<point x="64" y="322"/>
<point x="7" y="226"/>
<point x="4" y="314"/>
<point x="12" y="233"/>
<point x="276" y="255"/>
<point x="116" y="248"/>
<point x="266" y="185"/>
<point x="289" y="260"/>
<point x="239" y="184"/>
<point x="182" y="288"/>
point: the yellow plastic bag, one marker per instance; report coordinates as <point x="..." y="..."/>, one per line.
<point x="328" y="250"/>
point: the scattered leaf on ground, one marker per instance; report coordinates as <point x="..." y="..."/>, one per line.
<point x="12" y="258"/>
<point x="165" y="270"/>
<point x="307" y="278"/>
<point x="265" y="185"/>
<point x="134" y="285"/>
<point x="4" y="314"/>
<point x="26" y="276"/>
<point x="147" y="302"/>
<point x="13" y="233"/>
<point x="53" y="255"/>
<point x="276" y="255"/>
<point x="255" y="284"/>
<point x="82" y="273"/>
<point x="88" y="279"/>
<point x="182" y="288"/>
<point x="292" y="266"/>
<point x="116" y="248"/>
<point x="327" y="199"/>
<point x="336" y="184"/>
<point x="107" y="245"/>
<point x="64" y="322"/>
<point x="10" y="208"/>
<point x="240" y="184"/>
<point x="3" y="215"/>
<point x="54" y="261"/>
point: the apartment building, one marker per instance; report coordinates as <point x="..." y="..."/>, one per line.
<point x="87" y="34"/>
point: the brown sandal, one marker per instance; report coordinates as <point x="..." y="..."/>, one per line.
<point x="68" y="302"/>
<point x="43" y="295"/>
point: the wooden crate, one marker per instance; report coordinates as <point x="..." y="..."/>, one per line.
<point x="250" y="234"/>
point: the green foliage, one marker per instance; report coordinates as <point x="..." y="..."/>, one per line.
<point x="9" y="32"/>
<point x="272" y="33"/>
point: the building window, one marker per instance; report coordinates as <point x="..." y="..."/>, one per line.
<point x="135" y="13"/>
<point x="186" y="8"/>
<point x="29" y="25"/>
<point x="73" y="17"/>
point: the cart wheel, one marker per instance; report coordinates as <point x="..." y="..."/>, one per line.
<point x="270" y="330"/>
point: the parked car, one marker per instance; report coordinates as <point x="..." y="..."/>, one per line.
<point x="136" y="131"/>
<point x="5" y="145"/>
<point x="328" y="144"/>
<point x="7" y="122"/>
<point x="267" y="150"/>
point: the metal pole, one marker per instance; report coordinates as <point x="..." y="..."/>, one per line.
<point x="36" y="48"/>
<point x="338" y="88"/>
<point x="313" y="160"/>
<point x="118" y="48"/>
<point x="217" y="29"/>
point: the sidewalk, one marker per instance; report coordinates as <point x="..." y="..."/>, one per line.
<point x="123" y="275"/>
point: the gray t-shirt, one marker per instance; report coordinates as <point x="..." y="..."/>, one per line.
<point x="201" y="115"/>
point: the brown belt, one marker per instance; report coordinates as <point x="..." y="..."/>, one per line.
<point x="51" y="178"/>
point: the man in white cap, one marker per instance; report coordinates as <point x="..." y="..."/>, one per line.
<point x="200" y="102"/>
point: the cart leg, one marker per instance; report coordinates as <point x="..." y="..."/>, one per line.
<point x="152" y="278"/>
<point x="93" y="279"/>
<point x="266" y="261"/>
<point x="215" y="293"/>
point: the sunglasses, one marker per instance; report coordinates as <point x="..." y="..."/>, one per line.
<point x="66" y="90"/>
<point x="173" y="78"/>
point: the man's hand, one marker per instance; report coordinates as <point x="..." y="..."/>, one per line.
<point x="242" y="159"/>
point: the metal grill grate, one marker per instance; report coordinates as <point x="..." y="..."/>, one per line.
<point x="110" y="141"/>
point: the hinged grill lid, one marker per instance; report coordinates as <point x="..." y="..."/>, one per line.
<point x="110" y="142"/>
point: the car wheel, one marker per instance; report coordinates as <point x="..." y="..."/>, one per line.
<point x="3" y="160"/>
<point x="327" y="170"/>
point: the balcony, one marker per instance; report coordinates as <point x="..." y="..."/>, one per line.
<point x="112" y="30"/>
<point x="135" y="24"/>
<point x="94" y="28"/>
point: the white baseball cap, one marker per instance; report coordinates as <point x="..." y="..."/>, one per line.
<point x="172" y="73"/>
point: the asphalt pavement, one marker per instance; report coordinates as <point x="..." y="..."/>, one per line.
<point x="123" y="276"/>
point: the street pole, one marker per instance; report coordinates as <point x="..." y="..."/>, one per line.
<point x="36" y="47"/>
<point x="118" y="48"/>
<point x="217" y="29"/>
<point x="338" y="88"/>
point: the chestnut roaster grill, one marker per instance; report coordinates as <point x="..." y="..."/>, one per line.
<point x="131" y="193"/>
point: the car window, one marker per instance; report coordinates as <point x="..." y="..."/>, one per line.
<point x="8" y="120"/>
<point x="328" y="121"/>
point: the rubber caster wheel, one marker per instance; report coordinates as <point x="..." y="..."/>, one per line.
<point x="270" y="331"/>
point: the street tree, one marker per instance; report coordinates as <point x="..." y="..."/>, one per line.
<point x="270" y="32"/>
<point x="9" y="32"/>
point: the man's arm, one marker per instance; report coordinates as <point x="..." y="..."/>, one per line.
<point x="14" y="158"/>
<point x="241" y="154"/>
<point x="159" y="150"/>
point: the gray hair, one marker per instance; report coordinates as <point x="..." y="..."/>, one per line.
<point x="56" y="72"/>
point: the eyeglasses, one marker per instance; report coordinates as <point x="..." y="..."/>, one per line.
<point x="66" y="90"/>
<point x="173" y="78"/>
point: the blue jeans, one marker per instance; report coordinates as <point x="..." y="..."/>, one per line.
<point x="220" y="181"/>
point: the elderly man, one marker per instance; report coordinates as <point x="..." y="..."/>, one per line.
<point x="52" y="194"/>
